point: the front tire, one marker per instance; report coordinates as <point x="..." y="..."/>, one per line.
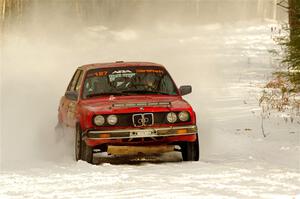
<point x="87" y="153"/>
<point x="82" y="150"/>
<point x="190" y="151"/>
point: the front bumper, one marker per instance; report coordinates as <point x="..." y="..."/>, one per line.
<point x="163" y="134"/>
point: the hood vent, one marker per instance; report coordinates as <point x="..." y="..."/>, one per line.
<point x="141" y="104"/>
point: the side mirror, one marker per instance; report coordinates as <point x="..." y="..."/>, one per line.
<point x="72" y="95"/>
<point x="184" y="90"/>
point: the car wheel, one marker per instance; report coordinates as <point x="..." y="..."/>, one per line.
<point x="190" y="151"/>
<point x="82" y="150"/>
<point x="78" y="144"/>
<point x="87" y="153"/>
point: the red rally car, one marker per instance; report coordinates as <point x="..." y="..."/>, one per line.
<point x="128" y="108"/>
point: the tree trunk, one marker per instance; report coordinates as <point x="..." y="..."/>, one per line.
<point x="294" y="16"/>
<point x="3" y="5"/>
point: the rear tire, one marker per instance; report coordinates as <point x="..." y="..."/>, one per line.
<point x="190" y="151"/>
<point x="78" y="144"/>
<point x="82" y="150"/>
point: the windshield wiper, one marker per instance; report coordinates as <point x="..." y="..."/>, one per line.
<point x="126" y="92"/>
<point x="106" y="93"/>
<point x="145" y="92"/>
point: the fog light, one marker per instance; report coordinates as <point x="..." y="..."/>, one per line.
<point x="104" y="135"/>
<point x="181" y="131"/>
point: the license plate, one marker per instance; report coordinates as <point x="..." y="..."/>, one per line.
<point x="142" y="133"/>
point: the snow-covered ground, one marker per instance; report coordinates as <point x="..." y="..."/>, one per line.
<point x="226" y="63"/>
<point x="238" y="179"/>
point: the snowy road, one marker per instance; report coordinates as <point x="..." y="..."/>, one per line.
<point x="241" y="179"/>
<point x="226" y="61"/>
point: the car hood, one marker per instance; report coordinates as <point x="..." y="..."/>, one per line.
<point x="120" y="104"/>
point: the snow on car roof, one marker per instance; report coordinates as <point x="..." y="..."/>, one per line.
<point x="118" y="64"/>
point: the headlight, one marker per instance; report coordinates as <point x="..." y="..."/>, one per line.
<point x="112" y="119"/>
<point x="171" y="117"/>
<point x="99" y="120"/>
<point x="184" y="116"/>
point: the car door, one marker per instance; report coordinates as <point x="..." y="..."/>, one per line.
<point x="72" y="102"/>
<point x="68" y="103"/>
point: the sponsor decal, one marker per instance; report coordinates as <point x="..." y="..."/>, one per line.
<point x="97" y="74"/>
<point x="101" y="73"/>
<point x="149" y="71"/>
<point x="121" y="71"/>
<point x="121" y="74"/>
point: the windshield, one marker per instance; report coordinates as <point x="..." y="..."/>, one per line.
<point x="128" y="81"/>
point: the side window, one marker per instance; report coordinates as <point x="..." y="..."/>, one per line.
<point x="73" y="81"/>
<point x="77" y="87"/>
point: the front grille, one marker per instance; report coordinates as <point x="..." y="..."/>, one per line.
<point x="131" y="120"/>
<point x="143" y="119"/>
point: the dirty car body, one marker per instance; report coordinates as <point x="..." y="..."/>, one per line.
<point x="127" y="107"/>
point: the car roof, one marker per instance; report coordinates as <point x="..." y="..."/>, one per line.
<point x="118" y="64"/>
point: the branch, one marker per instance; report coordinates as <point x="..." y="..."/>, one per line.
<point x="283" y="6"/>
<point x="262" y="125"/>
